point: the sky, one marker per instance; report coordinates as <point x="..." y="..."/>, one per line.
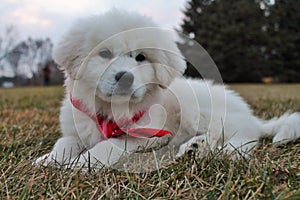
<point x="51" y="18"/>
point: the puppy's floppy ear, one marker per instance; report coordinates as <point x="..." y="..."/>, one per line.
<point x="168" y="65"/>
<point x="68" y="54"/>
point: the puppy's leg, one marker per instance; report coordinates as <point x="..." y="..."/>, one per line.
<point x="108" y="152"/>
<point x="64" y="149"/>
<point x="201" y="146"/>
<point x="104" y="153"/>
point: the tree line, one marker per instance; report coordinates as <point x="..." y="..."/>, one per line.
<point x="249" y="40"/>
<point x="27" y="62"/>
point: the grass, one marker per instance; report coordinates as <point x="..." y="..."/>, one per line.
<point x="29" y="127"/>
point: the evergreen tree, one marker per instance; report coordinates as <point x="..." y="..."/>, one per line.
<point x="283" y="52"/>
<point x="231" y="32"/>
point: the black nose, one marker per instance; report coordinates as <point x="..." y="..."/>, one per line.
<point x="124" y="79"/>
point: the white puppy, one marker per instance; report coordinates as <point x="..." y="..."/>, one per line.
<point x="123" y="75"/>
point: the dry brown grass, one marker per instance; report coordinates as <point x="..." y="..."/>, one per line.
<point x="29" y="127"/>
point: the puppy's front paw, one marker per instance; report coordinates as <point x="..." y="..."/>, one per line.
<point x="52" y="159"/>
<point x="196" y="145"/>
<point x="44" y="160"/>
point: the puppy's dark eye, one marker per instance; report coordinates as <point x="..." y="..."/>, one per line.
<point x="106" y="54"/>
<point x="140" y="58"/>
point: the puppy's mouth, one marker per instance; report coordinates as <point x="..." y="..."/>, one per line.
<point x="120" y="98"/>
<point x="120" y="95"/>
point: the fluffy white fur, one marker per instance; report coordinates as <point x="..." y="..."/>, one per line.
<point x="196" y="111"/>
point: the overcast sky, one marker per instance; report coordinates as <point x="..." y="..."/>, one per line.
<point x="51" y="18"/>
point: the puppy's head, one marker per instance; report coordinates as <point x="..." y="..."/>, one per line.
<point x="119" y="54"/>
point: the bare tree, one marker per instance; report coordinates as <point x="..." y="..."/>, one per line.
<point x="8" y="40"/>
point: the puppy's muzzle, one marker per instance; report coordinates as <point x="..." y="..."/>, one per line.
<point x="124" y="80"/>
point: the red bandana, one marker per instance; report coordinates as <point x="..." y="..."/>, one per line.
<point x="111" y="129"/>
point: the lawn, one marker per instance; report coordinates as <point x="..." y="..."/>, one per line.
<point x="29" y="127"/>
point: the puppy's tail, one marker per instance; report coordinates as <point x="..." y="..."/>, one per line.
<point x="284" y="129"/>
